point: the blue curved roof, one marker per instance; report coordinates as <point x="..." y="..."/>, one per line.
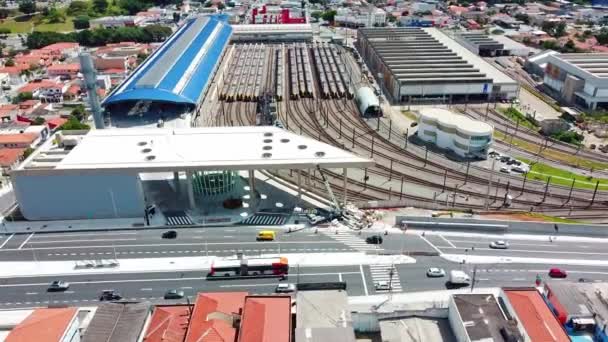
<point x="180" y="69"/>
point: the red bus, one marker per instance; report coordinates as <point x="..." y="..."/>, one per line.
<point x="250" y="267"/>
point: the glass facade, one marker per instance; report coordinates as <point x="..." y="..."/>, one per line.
<point x="210" y="183"/>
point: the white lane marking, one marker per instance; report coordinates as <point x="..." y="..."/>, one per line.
<point x="50" y="235"/>
<point x="364" y="280"/>
<point x="83" y="240"/>
<point x="146" y="289"/>
<point x="248" y="285"/>
<point x="519" y="279"/>
<point x="536" y="251"/>
<point x="31" y="293"/>
<point x="340" y="277"/>
<point x="5" y="241"/>
<point x="447" y="241"/>
<point x="68" y="292"/>
<point x="430" y="244"/>
<point x="186" y="287"/>
<point x="228" y="236"/>
<point x="26" y="240"/>
<point x="513" y="243"/>
<point x="180" y="244"/>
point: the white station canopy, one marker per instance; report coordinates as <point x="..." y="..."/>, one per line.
<point x="204" y="148"/>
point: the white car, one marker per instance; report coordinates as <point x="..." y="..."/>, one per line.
<point x="285" y="288"/>
<point x="382" y="286"/>
<point x="500" y="244"/>
<point x="435" y="272"/>
<point x="505" y="169"/>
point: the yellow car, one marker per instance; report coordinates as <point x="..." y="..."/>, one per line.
<point x="265" y="235"/>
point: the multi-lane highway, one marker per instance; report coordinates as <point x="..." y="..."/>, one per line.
<point x="84" y="290"/>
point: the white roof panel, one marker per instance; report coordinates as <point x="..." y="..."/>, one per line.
<point x="204" y="148"/>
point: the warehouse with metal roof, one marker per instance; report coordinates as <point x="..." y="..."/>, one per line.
<point x="424" y="64"/>
<point x="179" y="71"/>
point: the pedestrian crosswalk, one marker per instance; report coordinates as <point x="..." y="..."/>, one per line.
<point x="266" y="220"/>
<point x="351" y="240"/>
<point x="382" y="273"/>
<point x="182" y="220"/>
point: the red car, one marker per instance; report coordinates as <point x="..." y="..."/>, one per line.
<point x="557" y="273"/>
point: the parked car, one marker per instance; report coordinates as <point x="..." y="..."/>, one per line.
<point x="169" y="234"/>
<point x="414" y="124"/>
<point x="585" y="280"/>
<point x="459" y="278"/>
<point x="592" y="146"/>
<point x="58" y="286"/>
<point x="505" y="169"/>
<point x="435" y="272"/>
<point x="382" y="286"/>
<point x="174" y="294"/>
<point x="374" y="239"/>
<point x="519" y="169"/>
<point x="285" y="288"/>
<point x="500" y="244"/>
<point x="557" y="273"/>
<point x="110" y="295"/>
<point x="505" y="159"/>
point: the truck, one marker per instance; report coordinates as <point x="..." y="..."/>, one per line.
<point x="459" y="278"/>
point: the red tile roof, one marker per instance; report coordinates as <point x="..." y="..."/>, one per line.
<point x="71" y="67"/>
<point x="266" y="319"/>
<point x="44" y="84"/>
<point x="56" y="122"/>
<point x="168" y="324"/>
<point x="538" y="320"/>
<point x="8" y="156"/>
<point x="46" y="325"/>
<point x="211" y="318"/>
<point x="14" y="70"/>
<point x="60" y="46"/>
<point x="18" y="138"/>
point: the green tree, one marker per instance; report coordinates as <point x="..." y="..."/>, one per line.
<point x="28" y="152"/>
<point x="78" y="7"/>
<point x="132" y="6"/>
<point x="81" y="22"/>
<point x="560" y="29"/>
<point x="157" y="33"/>
<point x="79" y="112"/>
<point x="55" y="16"/>
<point x="176" y="17"/>
<point x="74" y="124"/>
<point x="329" y="15"/>
<point x="39" y="121"/>
<point x="23" y="97"/>
<point x="523" y="18"/>
<point x="100" y="6"/>
<point x="5" y="30"/>
<point x="9" y="62"/>
<point x="602" y="37"/>
<point x="27" y="6"/>
<point x="316" y="14"/>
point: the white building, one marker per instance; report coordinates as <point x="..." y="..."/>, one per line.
<point x="579" y="78"/>
<point x="117" y="21"/>
<point x="460" y="134"/>
<point x="370" y="17"/>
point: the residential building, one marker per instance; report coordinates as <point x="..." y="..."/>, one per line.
<point x="68" y="71"/>
<point x="579" y="79"/>
<point x="478" y="317"/>
<point x="364" y="17"/>
<point x="214" y="314"/>
<point x="168" y="323"/>
<point x="49" y="325"/>
<point x="105" y="62"/>
<point x="19" y="140"/>
<point x="266" y="319"/>
<point x="10" y="158"/>
<point x="117" y="322"/>
<point x="533" y="316"/>
<point x="117" y="21"/>
<point x="63" y="49"/>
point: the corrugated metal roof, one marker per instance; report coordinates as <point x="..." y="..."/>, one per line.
<point x="180" y="69"/>
<point x="117" y="322"/>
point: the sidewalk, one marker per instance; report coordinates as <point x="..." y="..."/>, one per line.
<point x="485" y="259"/>
<point x="179" y="264"/>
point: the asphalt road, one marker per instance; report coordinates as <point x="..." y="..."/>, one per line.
<point x="360" y="279"/>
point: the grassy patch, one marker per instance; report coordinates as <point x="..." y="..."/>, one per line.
<point x="410" y="115"/>
<point x="569" y="159"/>
<point x="66" y="26"/>
<point x="17" y="26"/>
<point x="516" y="115"/>
<point x="542" y="172"/>
<point x="548" y="218"/>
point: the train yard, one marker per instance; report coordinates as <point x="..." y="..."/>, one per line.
<point x="407" y="173"/>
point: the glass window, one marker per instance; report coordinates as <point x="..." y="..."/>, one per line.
<point x="430" y="133"/>
<point x="461" y="146"/>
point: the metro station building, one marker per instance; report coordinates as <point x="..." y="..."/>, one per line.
<point x="118" y="173"/>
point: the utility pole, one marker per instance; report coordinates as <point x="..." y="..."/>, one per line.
<point x="353" y="138"/>
<point x="597" y="184"/>
<point x="546" y="189"/>
<point x="487" y="204"/>
<point x="570" y="193"/>
<point x="474" y="278"/>
<point x="504" y="201"/>
<point x="407" y="131"/>
<point x="426" y="154"/>
<point x="390" y="175"/>
<point x="378" y="124"/>
<point x="390" y="129"/>
<point x="523" y="186"/>
<point x="466" y="176"/>
<point x="445" y="177"/>
<point x="372" y="156"/>
<point x="340" y="137"/>
<point x="401" y="191"/>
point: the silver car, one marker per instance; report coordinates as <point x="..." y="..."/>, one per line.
<point x="382" y="286"/>
<point x="435" y="272"/>
<point x="58" y="286"/>
<point x="285" y="288"/>
<point x="500" y="244"/>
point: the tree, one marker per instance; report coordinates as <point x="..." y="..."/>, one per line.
<point x="176" y="17"/>
<point x="602" y="37"/>
<point x="569" y="46"/>
<point x="329" y="15"/>
<point x="55" y="16"/>
<point x="23" y="97"/>
<point x="157" y="33"/>
<point x="78" y="7"/>
<point x="560" y="29"/>
<point x="37" y="40"/>
<point x="74" y="124"/>
<point x="27" y="6"/>
<point x="79" y="112"/>
<point x="28" y="151"/>
<point x="81" y="22"/>
<point x="5" y="30"/>
<point x="132" y="6"/>
<point x="316" y="14"/>
<point x="9" y="62"/>
<point x="497" y="31"/>
<point x="39" y="121"/>
<point x="100" y="6"/>
<point x="523" y="18"/>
